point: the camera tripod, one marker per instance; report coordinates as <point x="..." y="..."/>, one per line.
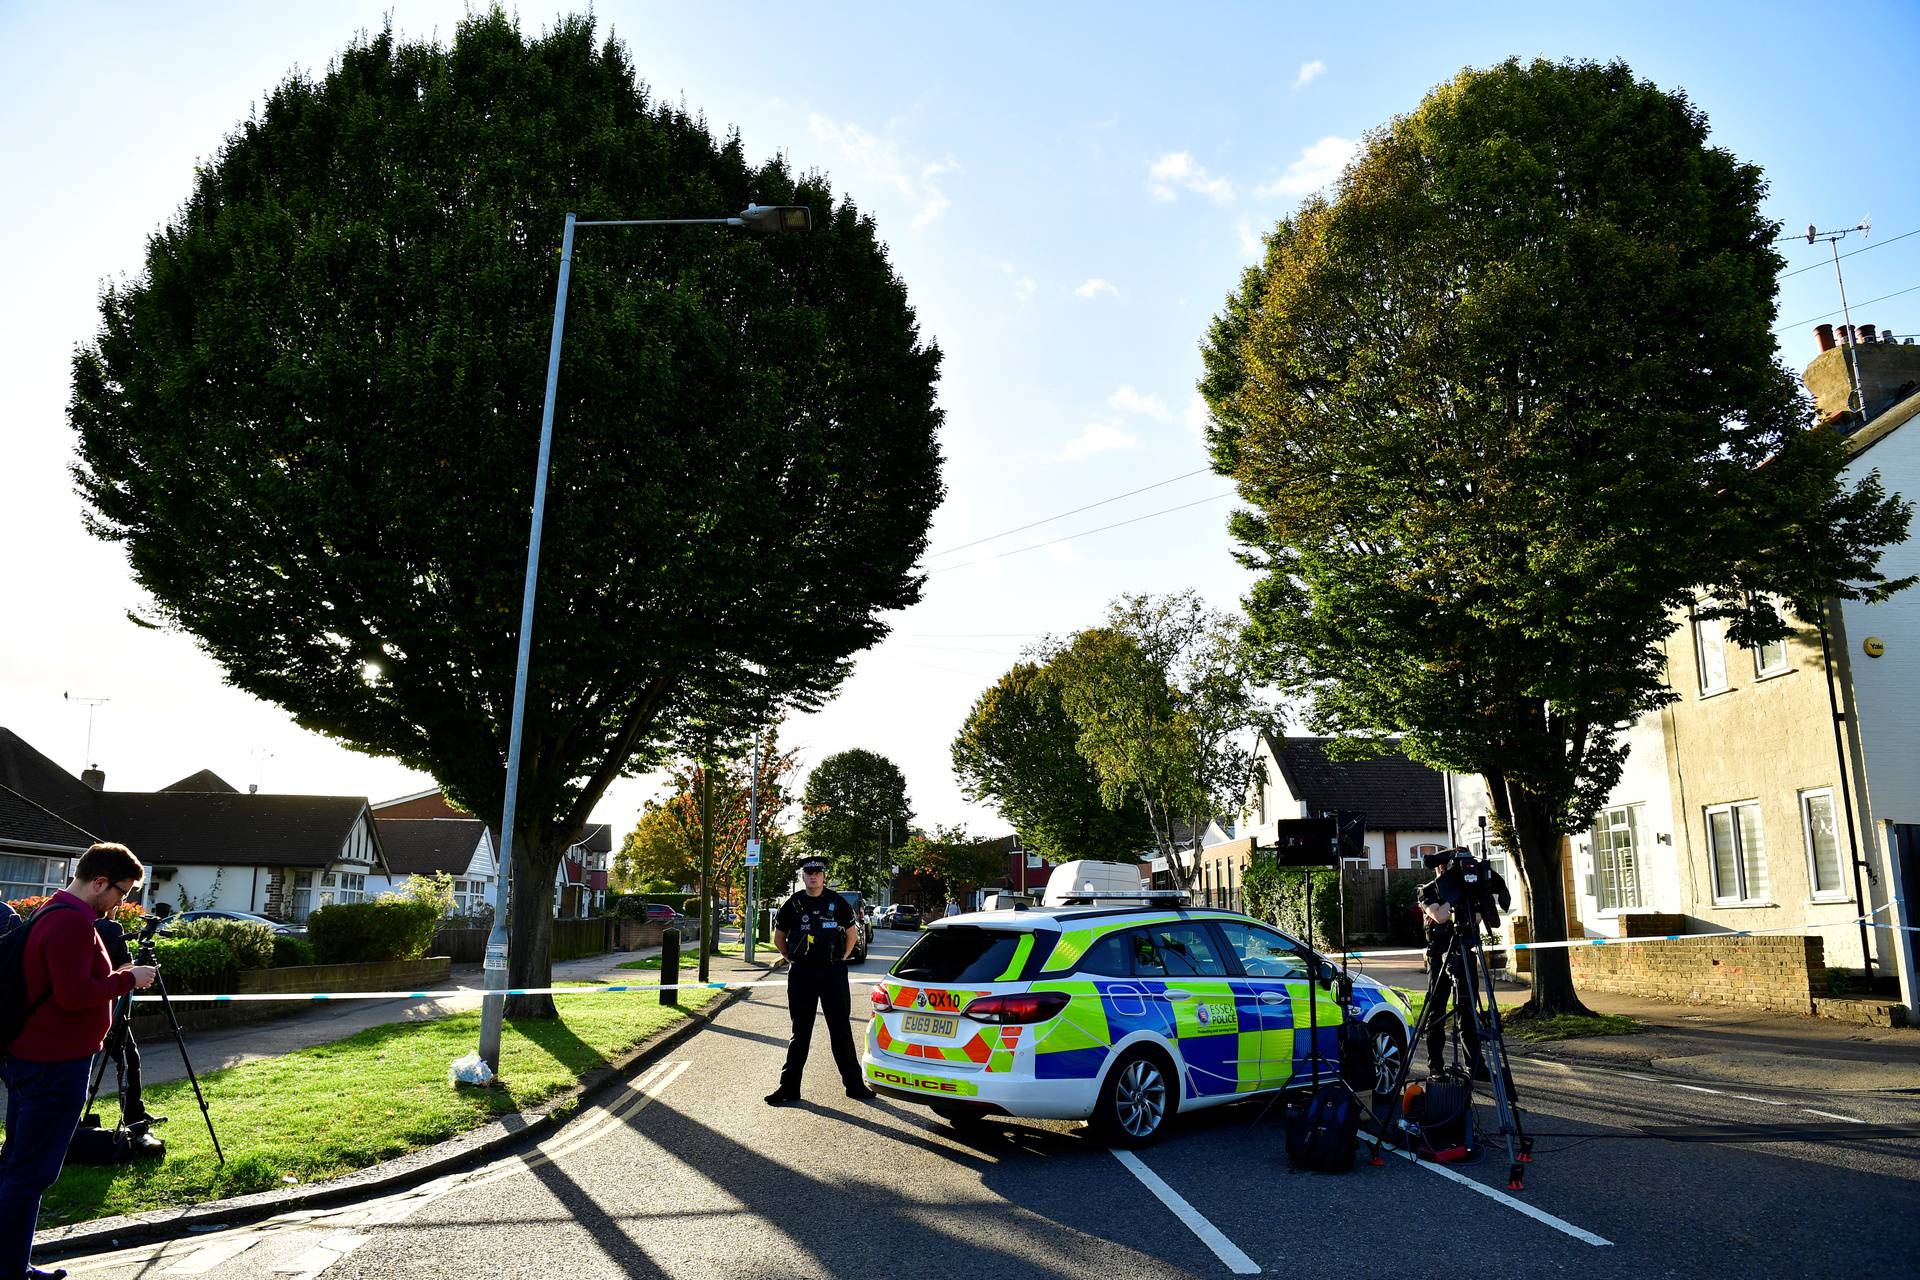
<point x="122" y="1014"/>
<point x="1463" y="967"/>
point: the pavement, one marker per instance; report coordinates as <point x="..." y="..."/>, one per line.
<point x="679" y="1171"/>
<point x="1717" y="1043"/>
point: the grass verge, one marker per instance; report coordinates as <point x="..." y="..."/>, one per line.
<point x="334" y="1108"/>
<point x="1567" y="1026"/>
<point x="691" y="961"/>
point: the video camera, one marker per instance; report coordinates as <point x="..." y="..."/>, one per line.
<point x="1467" y="884"/>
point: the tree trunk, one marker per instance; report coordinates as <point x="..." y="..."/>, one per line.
<point x="530" y="930"/>
<point x="1531" y="821"/>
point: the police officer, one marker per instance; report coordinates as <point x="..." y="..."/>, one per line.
<point x="1439" y="904"/>
<point x="816" y="932"/>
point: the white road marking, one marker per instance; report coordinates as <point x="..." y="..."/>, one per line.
<point x="1768" y="1102"/>
<point x="1538" y="1215"/>
<point x="1224" y="1249"/>
<point x="1694" y="1088"/>
<point x="565" y="1144"/>
<point x="1831" y="1116"/>
<point x="203" y="1260"/>
<point x="315" y="1261"/>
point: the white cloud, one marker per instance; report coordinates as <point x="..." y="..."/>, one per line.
<point x="1180" y="169"/>
<point x="1127" y="400"/>
<point x="1097" y="438"/>
<point x="1251" y="244"/>
<point x="1309" y="72"/>
<point x="1023" y="289"/>
<point x="880" y="161"/>
<point x="1318" y="165"/>
<point x="1095" y="287"/>
<point x="1195" y="416"/>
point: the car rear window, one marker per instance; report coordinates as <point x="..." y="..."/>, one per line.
<point x="964" y="954"/>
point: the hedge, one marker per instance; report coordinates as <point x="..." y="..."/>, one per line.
<point x="199" y="966"/>
<point x="289" y="951"/>
<point x="363" y="932"/>
<point x="250" y="943"/>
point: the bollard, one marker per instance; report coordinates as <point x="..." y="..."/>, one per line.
<point x="669" y="965"/>
<point x="764" y="925"/>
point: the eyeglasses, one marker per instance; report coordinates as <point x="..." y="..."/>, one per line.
<point x="123" y="889"/>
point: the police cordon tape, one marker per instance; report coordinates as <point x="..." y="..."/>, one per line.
<point x="590" y="989"/>
<point x="595" y="989"/>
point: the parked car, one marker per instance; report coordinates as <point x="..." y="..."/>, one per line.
<point x="244" y="917"/>
<point x="861" y="921"/>
<point x="901" y="915"/>
<point x="661" y="914"/>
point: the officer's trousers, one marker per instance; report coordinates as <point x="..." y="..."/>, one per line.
<point x="825" y="988"/>
<point x="1446" y="990"/>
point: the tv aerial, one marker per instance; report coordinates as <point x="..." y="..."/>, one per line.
<point x="92" y="705"/>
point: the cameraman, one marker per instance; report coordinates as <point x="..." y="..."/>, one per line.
<point x="1454" y="900"/>
<point x="121" y="1049"/>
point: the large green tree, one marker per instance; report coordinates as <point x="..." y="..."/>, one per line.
<point x="1504" y="406"/>
<point x="854" y="813"/>
<point x="1167" y="705"/>
<point x="1018" y="751"/>
<point x="312" y="422"/>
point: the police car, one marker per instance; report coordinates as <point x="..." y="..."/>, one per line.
<point x="1125" y="1015"/>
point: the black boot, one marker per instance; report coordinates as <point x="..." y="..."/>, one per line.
<point x="141" y="1142"/>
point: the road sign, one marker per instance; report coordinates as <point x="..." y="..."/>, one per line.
<point x="753" y="853"/>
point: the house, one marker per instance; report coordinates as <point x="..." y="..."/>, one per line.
<point x="1402" y="801"/>
<point x="579" y="882"/>
<point x="37" y="848"/>
<point x="205" y="844"/>
<point x="1780" y="792"/>
<point x="459" y="848"/>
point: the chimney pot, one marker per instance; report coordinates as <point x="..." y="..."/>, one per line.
<point x="1823" y="334"/>
<point x="1869" y="334"/>
<point x="94" y="777"/>
<point x="1844" y="333"/>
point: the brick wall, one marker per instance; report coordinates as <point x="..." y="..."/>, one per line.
<point x="1753" y="973"/>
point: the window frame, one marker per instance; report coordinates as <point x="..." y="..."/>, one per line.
<point x="1292" y="946"/>
<point x="1601" y="853"/>
<point x="1761" y="671"/>
<point x="1814" y="892"/>
<point x="1746" y="897"/>
<point x="1719" y="627"/>
<point x="54" y="875"/>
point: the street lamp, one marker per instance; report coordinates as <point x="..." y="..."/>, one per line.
<point x="761" y="218"/>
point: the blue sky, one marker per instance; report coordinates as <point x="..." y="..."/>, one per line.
<point x="1068" y="191"/>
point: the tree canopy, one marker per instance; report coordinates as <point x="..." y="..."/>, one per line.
<point x="1166" y="702"/>
<point x="1505" y="406"/>
<point x="1018" y="751"/>
<point x="312" y="422"/>
<point x="855" y="814"/>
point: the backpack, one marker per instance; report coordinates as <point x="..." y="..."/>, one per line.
<point x="1322" y="1130"/>
<point x="15" y="1008"/>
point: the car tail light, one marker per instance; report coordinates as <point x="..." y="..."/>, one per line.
<point x="1035" y="1007"/>
<point x="880" y="1002"/>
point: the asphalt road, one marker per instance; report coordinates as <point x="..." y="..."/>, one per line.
<point x="685" y="1173"/>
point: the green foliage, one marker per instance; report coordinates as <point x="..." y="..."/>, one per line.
<point x="289" y="952"/>
<point x="1279" y="895"/>
<point x="363" y="932"/>
<point x="655" y="851"/>
<point x="1165" y="700"/>
<point x="284" y="413"/>
<point x="1502" y="406"/>
<point x="200" y="966"/>
<point x="851" y="798"/>
<point x="435" y="890"/>
<point x="1018" y="751"/>
<point x="249" y="944"/>
<point x="955" y="858"/>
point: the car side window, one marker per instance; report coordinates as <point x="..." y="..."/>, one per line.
<point x="1178" y="951"/>
<point x="1263" y="953"/>
<point x="1108" y="957"/>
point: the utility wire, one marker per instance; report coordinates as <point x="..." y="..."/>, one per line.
<point x="947" y="551"/>
<point x="1083" y="533"/>
<point x="1848" y="254"/>
<point x="1836" y="311"/>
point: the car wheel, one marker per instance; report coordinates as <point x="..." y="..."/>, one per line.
<point x="1389" y="1040"/>
<point x="1137" y="1100"/>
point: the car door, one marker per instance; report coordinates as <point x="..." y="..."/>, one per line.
<point x="1278" y="969"/>
<point x="1204" y="1011"/>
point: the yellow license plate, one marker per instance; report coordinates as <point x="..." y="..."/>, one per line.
<point x="927" y="1024"/>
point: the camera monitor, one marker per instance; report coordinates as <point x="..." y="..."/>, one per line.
<point x="1307" y="842"/>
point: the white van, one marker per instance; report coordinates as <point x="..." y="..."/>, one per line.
<point x="1084" y="878"/>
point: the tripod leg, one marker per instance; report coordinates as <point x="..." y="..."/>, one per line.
<point x="180" y="1042"/>
<point x="1493" y="1053"/>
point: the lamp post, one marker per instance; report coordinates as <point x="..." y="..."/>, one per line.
<point x="762" y="218"/>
